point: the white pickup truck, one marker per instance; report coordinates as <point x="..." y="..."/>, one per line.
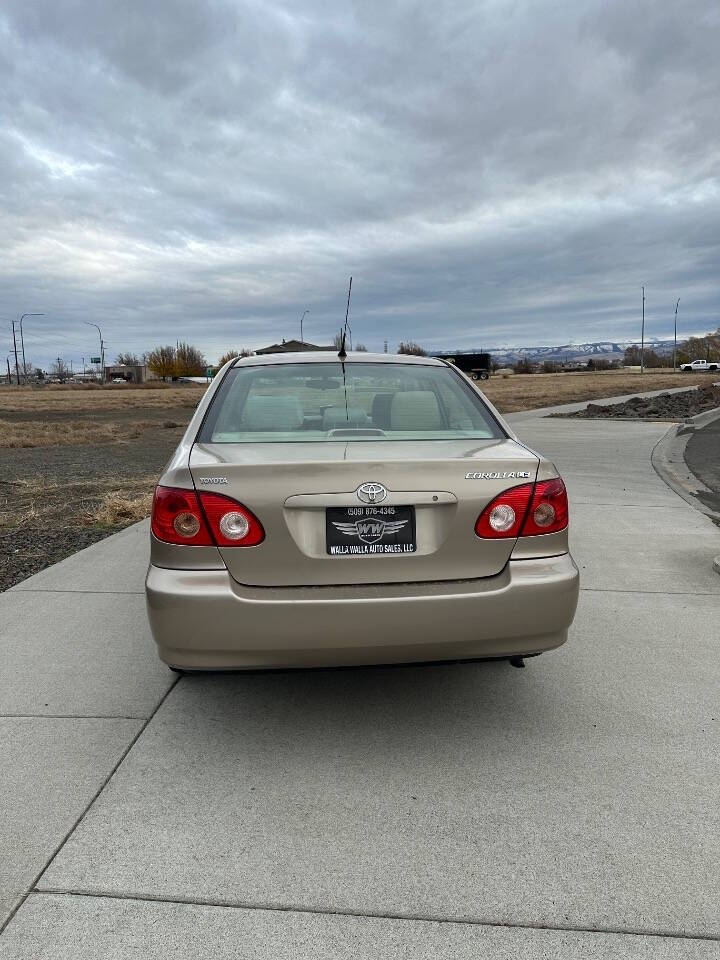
<point x="700" y="366"/>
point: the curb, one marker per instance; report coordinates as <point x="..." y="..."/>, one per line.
<point x="668" y="460"/>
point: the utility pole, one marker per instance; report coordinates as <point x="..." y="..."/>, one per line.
<point x="642" y="336"/>
<point x="675" y="344"/>
<point x="17" y="368"/>
<point x="22" y="339"/>
<point x="7" y="361"/>
<point x="301" y="325"/>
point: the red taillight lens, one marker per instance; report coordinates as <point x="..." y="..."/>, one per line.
<point x="548" y="511"/>
<point x="503" y="517"/>
<point x="232" y="524"/>
<point x="525" y="511"/>
<point x="177" y="517"/>
<point x="203" y="520"/>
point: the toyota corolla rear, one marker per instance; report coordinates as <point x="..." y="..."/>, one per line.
<point x="373" y="509"/>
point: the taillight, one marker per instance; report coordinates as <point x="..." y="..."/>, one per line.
<point x="231" y="523"/>
<point x="548" y="511"/>
<point x="203" y="520"/>
<point x="525" y="511"/>
<point x="177" y="517"/>
<point x="503" y="517"/>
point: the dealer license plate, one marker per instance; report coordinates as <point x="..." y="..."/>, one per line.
<point x="360" y="531"/>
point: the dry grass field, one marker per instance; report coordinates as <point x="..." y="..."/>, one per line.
<point x="80" y="462"/>
<point x="90" y="398"/>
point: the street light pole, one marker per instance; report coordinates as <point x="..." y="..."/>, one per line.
<point x="675" y="343"/>
<point x="102" y="349"/>
<point x="22" y="340"/>
<point x="301" y="325"/>
<point x="642" y="336"/>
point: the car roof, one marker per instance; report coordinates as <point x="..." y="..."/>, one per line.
<point x="332" y="357"/>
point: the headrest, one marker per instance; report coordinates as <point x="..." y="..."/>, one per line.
<point x="415" y="410"/>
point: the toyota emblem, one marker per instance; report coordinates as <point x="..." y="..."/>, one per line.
<point x="371" y="492"/>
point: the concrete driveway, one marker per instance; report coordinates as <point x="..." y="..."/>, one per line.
<point x="567" y="810"/>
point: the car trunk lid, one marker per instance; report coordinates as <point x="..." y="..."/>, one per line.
<point x="290" y="487"/>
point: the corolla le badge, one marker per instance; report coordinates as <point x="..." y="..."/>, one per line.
<point x="371" y="492"/>
<point x="507" y="475"/>
<point x="370" y="531"/>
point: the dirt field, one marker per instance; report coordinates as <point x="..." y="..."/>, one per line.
<point x="79" y="463"/>
<point x="666" y="406"/>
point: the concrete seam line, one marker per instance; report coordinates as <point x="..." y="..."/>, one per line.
<point x="78" y="821"/>
<point x="117" y="593"/>
<point x="376" y="915"/>
<point x="67" y="716"/>
<point x="664" y="593"/>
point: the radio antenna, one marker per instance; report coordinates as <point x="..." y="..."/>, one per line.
<point x="341" y="352"/>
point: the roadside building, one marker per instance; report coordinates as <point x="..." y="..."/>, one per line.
<point x="132" y="373"/>
<point x="294" y="346"/>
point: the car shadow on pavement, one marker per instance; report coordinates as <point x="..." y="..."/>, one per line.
<point x="374" y="701"/>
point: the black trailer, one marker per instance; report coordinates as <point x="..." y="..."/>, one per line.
<point x="476" y="365"/>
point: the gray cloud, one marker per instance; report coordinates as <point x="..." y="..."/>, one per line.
<point x="490" y="173"/>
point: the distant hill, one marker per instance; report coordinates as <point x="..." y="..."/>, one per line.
<point x="570" y="352"/>
<point x="564" y="353"/>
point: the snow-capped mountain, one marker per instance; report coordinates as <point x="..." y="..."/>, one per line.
<point x="565" y="353"/>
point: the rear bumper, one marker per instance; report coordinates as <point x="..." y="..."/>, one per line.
<point x="204" y="620"/>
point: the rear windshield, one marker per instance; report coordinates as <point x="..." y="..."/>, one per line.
<point x="370" y="401"/>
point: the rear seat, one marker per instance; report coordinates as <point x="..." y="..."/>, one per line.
<point x="272" y="413"/>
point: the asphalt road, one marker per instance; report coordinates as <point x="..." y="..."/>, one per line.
<point x="566" y="810"/>
<point x="702" y="455"/>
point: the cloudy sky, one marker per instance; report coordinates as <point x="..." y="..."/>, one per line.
<point x="490" y="173"/>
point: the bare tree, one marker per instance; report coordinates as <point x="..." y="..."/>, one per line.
<point x="128" y="360"/>
<point x="60" y="369"/>
<point x="524" y="366"/>
<point x="231" y="354"/>
<point x="412" y="348"/>
<point x="161" y="361"/>
<point x="361" y="348"/>
<point x="189" y="361"/>
<point x="701" y="348"/>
